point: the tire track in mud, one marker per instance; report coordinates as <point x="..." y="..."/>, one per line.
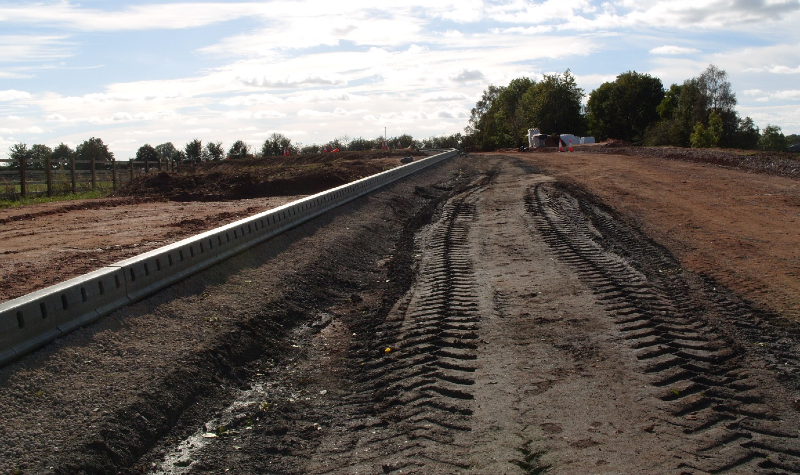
<point x="710" y="391"/>
<point x="410" y="406"/>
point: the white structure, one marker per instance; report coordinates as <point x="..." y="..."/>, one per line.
<point x="535" y="138"/>
<point x="570" y="140"/>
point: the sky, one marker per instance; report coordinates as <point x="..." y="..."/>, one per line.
<point x="137" y="72"/>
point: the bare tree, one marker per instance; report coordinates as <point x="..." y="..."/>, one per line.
<point x="717" y="89"/>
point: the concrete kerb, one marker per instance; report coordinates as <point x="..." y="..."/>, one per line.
<point x="33" y="320"/>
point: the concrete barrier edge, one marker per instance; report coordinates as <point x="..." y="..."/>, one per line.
<point x="33" y="320"/>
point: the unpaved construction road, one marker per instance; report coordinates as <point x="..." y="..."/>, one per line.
<point x="489" y="315"/>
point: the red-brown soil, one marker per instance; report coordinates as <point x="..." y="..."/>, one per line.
<point x="740" y="227"/>
<point x="47" y="243"/>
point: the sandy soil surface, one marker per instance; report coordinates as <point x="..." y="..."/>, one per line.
<point x="742" y="229"/>
<point x="494" y="314"/>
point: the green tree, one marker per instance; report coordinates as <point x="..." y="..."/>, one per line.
<point x="167" y="151"/>
<point x="554" y="105"/>
<point x="18" y="153"/>
<point x="625" y="108"/>
<point x="213" y="151"/>
<point x="239" y="150"/>
<point x="772" y="139"/>
<point x="94" y="148"/>
<point x="313" y="148"/>
<point x="684" y="106"/>
<point x="357" y="145"/>
<point x="681" y="109"/>
<point x="274" y="145"/>
<point x="481" y="123"/>
<point x="444" y="141"/>
<point x="720" y="98"/>
<point x="717" y="90"/>
<point x="667" y="107"/>
<point x="706" y="137"/>
<point x="747" y="135"/>
<point x="38" y="156"/>
<point x="194" y="151"/>
<point x="510" y="124"/>
<point x="147" y="152"/>
<point x="404" y="141"/>
<point x="62" y="156"/>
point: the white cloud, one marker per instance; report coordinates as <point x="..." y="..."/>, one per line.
<point x="451" y="114"/>
<point x="10" y="75"/>
<point x="315" y="114"/>
<point x="444" y="96"/>
<point x="327" y="96"/>
<point x="122" y="116"/>
<point x="783" y="95"/>
<point x="137" y="17"/>
<point x="324" y="68"/>
<point x="467" y="75"/>
<point x="776" y="69"/>
<point x="6" y="142"/>
<point x="268" y="114"/>
<point x="293" y="81"/>
<point x="34" y="130"/>
<point x="251" y="100"/>
<point x="24" y="48"/>
<point x="13" y="95"/>
<point x="674" y="50"/>
<point x="235" y="115"/>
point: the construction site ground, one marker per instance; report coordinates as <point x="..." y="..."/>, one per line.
<point x="592" y="312"/>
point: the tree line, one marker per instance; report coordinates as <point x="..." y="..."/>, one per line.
<point x="635" y="107"/>
<point x="36" y="156"/>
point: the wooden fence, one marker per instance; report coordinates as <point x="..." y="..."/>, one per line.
<point x="23" y="179"/>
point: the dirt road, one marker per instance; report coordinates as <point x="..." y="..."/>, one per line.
<point x="486" y="316"/>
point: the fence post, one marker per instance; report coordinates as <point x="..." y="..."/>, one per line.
<point x="49" y="176"/>
<point x="159" y="163"/>
<point x="72" y="169"/>
<point x="131" y="169"/>
<point x="146" y="166"/>
<point x="114" y="174"/>
<point x="23" y="190"/>
<point x="94" y="176"/>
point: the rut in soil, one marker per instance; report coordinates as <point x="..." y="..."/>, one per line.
<point x="410" y="405"/>
<point x="707" y="389"/>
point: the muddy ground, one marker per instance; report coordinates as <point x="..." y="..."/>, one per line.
<point x="526" y="313"/>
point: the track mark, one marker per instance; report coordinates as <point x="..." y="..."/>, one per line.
<point x="707" y="390"/>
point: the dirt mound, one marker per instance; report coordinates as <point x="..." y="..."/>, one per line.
<point x="773" y="163"/>
<point x="614" y="143"/>
<point x="273" y="176"/>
